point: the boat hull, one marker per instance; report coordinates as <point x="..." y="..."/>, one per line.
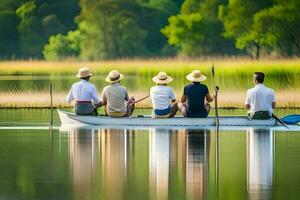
<point x="68" y="118"/>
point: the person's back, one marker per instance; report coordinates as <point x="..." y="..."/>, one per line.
<point x="116" y="97"/>
<point x="162" y="97"/>
<point x="83" y="91"/>
<point x="195" y="99"/>
<point x="84" y="94"/>
<point x="193" y="102"/>
<point x="260" y="99"/>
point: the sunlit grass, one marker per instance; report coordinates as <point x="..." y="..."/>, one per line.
<point x="41" y="99"/>
<point x="174" y="66"/>
<point x="233" y="75"/>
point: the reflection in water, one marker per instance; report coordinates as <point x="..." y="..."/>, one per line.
<point x="198" y="144"/>
<point x="166" y="148"/>
<point x="81" y="152"/>
<point x="159" y="163"/>
<point x="260" y="163"/>
<point x="85" y="147"/>
<point x="166" y="164"/>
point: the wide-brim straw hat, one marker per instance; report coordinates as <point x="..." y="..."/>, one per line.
<point x="196" y="76"/>
<point x="83" y="72"/>
<point x="114" y="76"/>
<point x="162" y="78"/>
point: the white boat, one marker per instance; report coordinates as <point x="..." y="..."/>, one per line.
<point x="71" y="119"/>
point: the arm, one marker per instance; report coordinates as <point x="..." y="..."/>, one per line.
<point x="96" y="101"/>
<point x="209" y="98"/>
<point x="70" y="96"/>
<point x="247" y="106"/>
<point x="273" y="105"/>
<point x="183" y="98"/>
<point x="247" y="101"/>
<point x="172" y="96"/>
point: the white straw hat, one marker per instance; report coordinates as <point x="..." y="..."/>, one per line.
<point x="162" y="78"/>
<point x="83" y="72"/>
<point x="196" y="76"/>
<point x="114" y="76"/>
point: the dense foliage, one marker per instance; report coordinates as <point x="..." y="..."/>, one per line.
<point x="110" y="29"/>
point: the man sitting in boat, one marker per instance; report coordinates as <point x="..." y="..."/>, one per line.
<point x="85" y="94"/>
<point x="115" y="97"/>
<point x="194" y="95"/>
<point x="260" y="100"/>
<point x="163" y="98"/>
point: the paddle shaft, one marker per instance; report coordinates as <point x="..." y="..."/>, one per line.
<point x="51" y="104"/>
<point x="280" y="121"/>
<point x="216" y="95"/>
<point x="142" y="99"/>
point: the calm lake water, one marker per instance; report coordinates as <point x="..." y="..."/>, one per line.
<point x="144" y="163"/>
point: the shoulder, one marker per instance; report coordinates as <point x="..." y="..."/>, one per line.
<point x="153" y="88"/>
<point x="251" y="90"/>
<point x="106" y="88"/>
<point x="123" y="87"/>
<point x="270" y="90"/>
<point x="77" y="83"/>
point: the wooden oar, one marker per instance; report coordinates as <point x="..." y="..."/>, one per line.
<point x="280" y="121"/>
<point x="142" y="99"/>
<point x="216" y="95"/>
<point x="51" y="105"/>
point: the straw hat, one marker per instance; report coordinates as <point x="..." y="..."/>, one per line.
<point x="114" y="76"/>
<point x="84" y="72"/>
<point x="196" y="76"/>
<point x="162" y="78"/>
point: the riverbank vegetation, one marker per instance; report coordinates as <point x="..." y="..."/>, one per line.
<point x="25" y="84"/>
<point x="106" y="29"/>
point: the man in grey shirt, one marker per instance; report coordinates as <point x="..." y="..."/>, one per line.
<point x="115" y="97"/>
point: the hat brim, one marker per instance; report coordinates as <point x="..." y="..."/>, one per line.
<point x="193" y="79"/>
<point x="155" y="79"/>
<point x="107" y="79"/>
<point x="80" y="76"/>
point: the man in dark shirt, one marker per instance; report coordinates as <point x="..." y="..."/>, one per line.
<point x="194" y="95"/>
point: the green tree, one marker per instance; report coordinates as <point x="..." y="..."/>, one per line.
<point x="238" y="19"/>
<point x="31" y="41"/>
<point x="8" y="34"/>
<point x="61" y="47"/>
<point x="278" y="27"/>
<point x="197" y="29"/>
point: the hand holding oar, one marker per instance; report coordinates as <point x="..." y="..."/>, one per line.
<point x="280" y="121"/>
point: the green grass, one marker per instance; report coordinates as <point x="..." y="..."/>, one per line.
<point x="234" y="76"/>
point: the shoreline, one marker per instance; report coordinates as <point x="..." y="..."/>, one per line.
<point x="285" y="99"/>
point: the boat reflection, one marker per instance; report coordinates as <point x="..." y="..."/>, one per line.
<point x="167" y="163"/>
<point x="260" y="158"/>
<point x="185" y="152"/>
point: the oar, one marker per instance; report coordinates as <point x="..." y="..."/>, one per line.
<point x="142" y="99"/>
<point x="216" y="95"/>
<point x="51" y="105"/>
<point x="280" y="121"/>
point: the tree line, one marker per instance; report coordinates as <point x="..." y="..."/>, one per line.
<point x="114" y="29"/>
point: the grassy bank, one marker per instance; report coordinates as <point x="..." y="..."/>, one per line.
<point x="174" y="66"/>
<point x="29" y="99"/>
<point x="24" y="83"/>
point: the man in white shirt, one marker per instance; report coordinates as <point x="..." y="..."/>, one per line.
<point x="260" y="100"/>
<point x="163" y="98"/>
<point x="84" y="94"/>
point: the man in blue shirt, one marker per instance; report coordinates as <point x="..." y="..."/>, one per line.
<point x="194" y="95"/>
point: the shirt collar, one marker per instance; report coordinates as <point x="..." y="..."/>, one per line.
<point x="260" y="85"/>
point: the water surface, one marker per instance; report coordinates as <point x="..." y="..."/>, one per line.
<point x="144" y="163"/>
